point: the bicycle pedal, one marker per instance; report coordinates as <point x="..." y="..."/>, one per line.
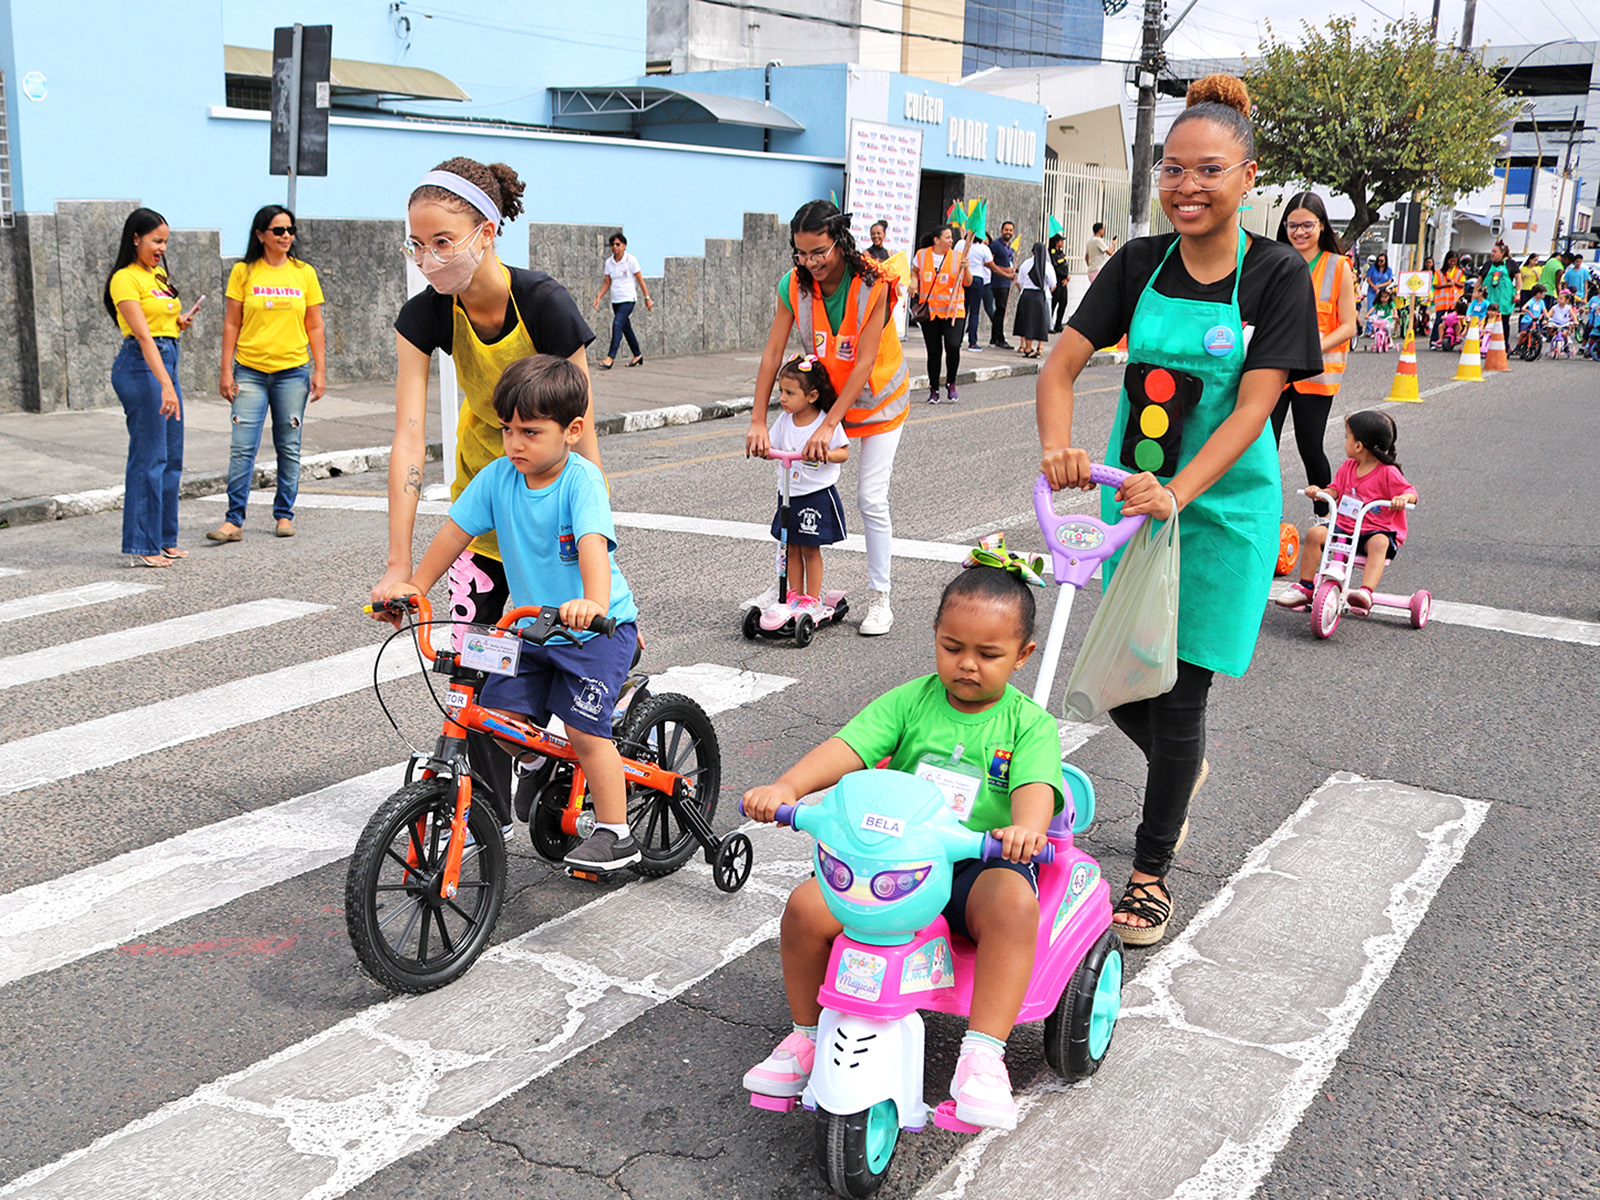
<point x="591" y="876"/>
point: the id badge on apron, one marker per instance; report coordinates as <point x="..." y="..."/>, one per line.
<point x="958" y="782"/>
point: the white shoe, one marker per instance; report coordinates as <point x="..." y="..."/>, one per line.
<point x="879" y="618"/>
<point x="764" y="601"/>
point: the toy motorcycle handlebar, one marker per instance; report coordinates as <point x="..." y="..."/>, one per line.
<point x="992" y="846"/>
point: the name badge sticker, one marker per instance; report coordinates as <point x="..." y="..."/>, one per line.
<point x="846" y="348"/>
<point x="1220" y="341"/>
<point x="878" y="823"/>
<point x="1349" y="506"/>
<point x="959" y="788"/>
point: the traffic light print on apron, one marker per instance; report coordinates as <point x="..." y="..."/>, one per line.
<point x="1159" y="400"/>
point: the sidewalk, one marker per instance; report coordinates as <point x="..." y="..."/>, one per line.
<point x="69" y="464"/>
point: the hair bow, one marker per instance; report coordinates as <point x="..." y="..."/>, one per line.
<point x="806" y="361"/>
<point x="991" y="552"/>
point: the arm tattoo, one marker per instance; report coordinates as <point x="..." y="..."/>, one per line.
<point x="413" y="483"/>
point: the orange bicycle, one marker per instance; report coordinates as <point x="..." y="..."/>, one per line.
<point x="427" y="878"/>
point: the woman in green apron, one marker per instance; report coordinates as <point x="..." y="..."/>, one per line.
<point x="1217" y="323"/>
<point x="485" y="316"/>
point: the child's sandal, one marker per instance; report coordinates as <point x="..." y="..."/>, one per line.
<point x="1139" y="900"/>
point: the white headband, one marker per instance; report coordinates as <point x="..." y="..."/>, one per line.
<point x="466" y="189"/>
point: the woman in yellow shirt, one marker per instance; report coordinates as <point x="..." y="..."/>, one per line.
<point x="144" y="304"/>
<point x="272" y="357"/>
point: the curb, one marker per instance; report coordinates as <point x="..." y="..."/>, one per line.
<point x="39" y="509"/>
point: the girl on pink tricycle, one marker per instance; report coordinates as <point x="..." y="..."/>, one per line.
<point x="1372" y="495"/>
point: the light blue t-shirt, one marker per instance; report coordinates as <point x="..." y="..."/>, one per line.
<point x="539" y="530"/>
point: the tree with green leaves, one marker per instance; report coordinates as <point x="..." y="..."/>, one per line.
<point x="1375" y="118"/>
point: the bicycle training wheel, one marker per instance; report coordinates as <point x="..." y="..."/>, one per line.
<point x="408" y="935"/>
<point x="671" y="731"/>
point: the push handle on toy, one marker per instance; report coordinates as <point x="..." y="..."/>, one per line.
<point x="787" y="457"/>
<point x="993" y="847"/>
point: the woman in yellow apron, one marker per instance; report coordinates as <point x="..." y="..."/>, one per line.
<point x="485" y="316"/>
<point x="843" y="309"/>
<point x="1217" y="323"/>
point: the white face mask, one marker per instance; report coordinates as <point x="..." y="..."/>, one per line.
<point x="452" y="277"/>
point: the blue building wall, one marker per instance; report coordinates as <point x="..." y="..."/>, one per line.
<point x="1032" y="33"/>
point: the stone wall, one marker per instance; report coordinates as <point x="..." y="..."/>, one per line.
<point x="1009" y="200"/>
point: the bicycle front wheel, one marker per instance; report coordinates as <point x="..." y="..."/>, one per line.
<point x="408" y="934"/>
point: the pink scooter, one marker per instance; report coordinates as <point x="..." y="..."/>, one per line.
<point x="1341" y="565"/>
<point x="787" y="618"/>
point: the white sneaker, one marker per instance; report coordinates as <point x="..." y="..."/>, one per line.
<point x="879" y="619"/>
<point x="764" y="601"/>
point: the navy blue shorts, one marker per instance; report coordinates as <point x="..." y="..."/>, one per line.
<point x="1361" y="542"/>
<point x="815" y="519"/>
<point x="965" y="874"/>
<point x="579" y="684"/>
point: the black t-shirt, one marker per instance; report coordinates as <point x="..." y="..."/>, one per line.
<point x="1276" y="301"/>
<point x="881" y="253"/>
<point x="427" y="321"/>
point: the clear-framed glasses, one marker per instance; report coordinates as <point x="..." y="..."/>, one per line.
<point x="442" y="248"/>
<point x="1303" y="226"/>
<point x="1208" y="177"/>
<point x="807" y="258"/>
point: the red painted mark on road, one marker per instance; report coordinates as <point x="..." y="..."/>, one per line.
<point x="231" y="947"/>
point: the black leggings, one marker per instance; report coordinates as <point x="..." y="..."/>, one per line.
<point x="943" y="336"/>
<point x="1171" y="730"/>
<point x="1060" y="313"/>
<point x="1310" y="426"/>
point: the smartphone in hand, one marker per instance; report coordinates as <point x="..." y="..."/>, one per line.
<point x="189" y="316"/>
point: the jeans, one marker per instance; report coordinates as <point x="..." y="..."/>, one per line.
<point x="1171" y="730"/>
<point x="155" y="449"/>
<point x="285" y="392"/>
<point x="978" y="302"/>
<point x="622" y="327"/>
<point x="874" y="457"/>
<point x="943" y="338"/>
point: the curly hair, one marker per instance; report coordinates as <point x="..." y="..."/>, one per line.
<point x="1224" y="100"/>
<point x="498" y="181"/>
<point x="823" y="216"/>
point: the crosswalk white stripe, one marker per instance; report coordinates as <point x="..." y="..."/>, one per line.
<point x="106" y="741"/>
<point x="316" y="1119"/>
<point x="69" y="598"/>
<point x="4" y="571"/>
<point x="1502" y="620"/>
<point x="48" y="925"/>
<point x="51" y="661"/>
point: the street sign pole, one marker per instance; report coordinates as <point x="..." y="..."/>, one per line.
<point x="294" y="111"/>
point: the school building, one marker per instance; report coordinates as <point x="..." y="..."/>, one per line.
<point x="120" y="106"/>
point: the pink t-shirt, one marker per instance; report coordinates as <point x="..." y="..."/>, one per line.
<point x="1381" y="483"/>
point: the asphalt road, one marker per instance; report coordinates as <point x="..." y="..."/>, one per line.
<point x="1469" y="1074"/>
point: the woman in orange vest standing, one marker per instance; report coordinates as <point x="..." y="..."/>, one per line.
<point x="842" y="307"/>
<point x="1448" y="283"/>
<point x="1305" y="227"/>
<point x="940" y="276"/>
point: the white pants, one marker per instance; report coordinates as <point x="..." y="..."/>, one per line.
<point x="874" y="466"/>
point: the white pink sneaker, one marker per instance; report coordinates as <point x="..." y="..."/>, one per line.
<point x="786" y="1071"/>
<point x="982" y="1090"/>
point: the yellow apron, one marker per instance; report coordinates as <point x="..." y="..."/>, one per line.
<point x="478" y="369"/>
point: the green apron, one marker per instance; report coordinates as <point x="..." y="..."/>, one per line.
<point x="1229" y="534"/>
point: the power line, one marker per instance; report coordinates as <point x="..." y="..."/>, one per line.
<point x="840" y="23"/>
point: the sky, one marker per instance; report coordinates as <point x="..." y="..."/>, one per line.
<point x="1228" y="28"/>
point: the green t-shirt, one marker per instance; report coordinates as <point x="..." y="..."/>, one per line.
<point x="1009" y="744"/>
<point x="833" y="305"/>
<point x="1551" y="275"/>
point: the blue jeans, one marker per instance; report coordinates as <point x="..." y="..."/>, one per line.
<point x="155" y="449"/>
<point x="978" y="300"/>
<point x="286" y="393"/>
<point x="622" y="327"/>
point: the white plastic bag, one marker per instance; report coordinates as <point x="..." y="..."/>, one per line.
<point x="1131" y="649"/>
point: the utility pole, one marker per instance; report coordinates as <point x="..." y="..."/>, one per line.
<point x="1466" y="24"/>
<point x="1563" y="222"/>
<point x="1144" y="129"/>
<point x="1433" y="22"/>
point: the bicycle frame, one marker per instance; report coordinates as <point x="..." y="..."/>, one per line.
<point x="468" y="716"/>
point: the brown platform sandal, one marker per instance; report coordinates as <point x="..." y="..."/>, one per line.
<point x="1139" y="900"/>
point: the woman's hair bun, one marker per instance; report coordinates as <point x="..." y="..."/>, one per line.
<point x="1222" y="89"/>
<point x="511" y="189"/>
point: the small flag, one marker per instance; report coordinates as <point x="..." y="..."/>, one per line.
<point x="1053" y="227"/>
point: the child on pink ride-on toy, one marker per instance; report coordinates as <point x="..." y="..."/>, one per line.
<point x="1369" y="473"/>
<point x="996" y="756"/>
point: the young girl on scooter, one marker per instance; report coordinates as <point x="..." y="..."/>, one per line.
<point x="1369" y="473"/>
<point x="964" y="720"/>
<point x="806" y="394"/>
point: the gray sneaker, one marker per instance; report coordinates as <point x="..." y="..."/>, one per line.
<point x="602" y="850"/>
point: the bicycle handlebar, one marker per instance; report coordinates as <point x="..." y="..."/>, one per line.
<point x="546" y="622"/>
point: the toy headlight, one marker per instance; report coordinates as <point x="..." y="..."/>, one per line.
<point x="835" y="873"/>
<point x="890" y="885"/>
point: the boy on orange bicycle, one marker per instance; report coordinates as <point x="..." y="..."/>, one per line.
<point x="552" y="516"/>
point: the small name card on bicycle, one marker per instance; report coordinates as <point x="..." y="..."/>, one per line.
<point x="491" y="650"/>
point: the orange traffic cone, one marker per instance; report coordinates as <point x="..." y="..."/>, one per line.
<point x="1470" y="368"/>
<point x="1404" y="386"/>
<point x="1494" y="358"/>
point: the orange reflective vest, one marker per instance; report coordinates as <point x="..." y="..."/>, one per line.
<point x="946" y="295"/>
<point x="1326" y="272"/>
<point x="1447" y="289"/>
<point x="886" y="399"/>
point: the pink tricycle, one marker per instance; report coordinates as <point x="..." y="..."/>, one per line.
<point x="792" y="615"/>
<point x="1341" y="566"/>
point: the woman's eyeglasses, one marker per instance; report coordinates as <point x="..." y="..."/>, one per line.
<point x="1208" y="177"/>
<point x="805" y="258"/>
<point x="443" y="249"/>
<point x="1304" y="226"/>
<point x="283" y="230"/>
